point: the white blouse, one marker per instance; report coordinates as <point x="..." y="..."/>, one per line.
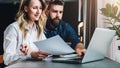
<point x="13" y="38"/>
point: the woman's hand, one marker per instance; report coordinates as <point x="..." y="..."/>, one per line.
<point x="39" y="54"/>
<point x="24" y="48"/>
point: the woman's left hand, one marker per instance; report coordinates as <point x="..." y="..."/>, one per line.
<point x="24" y="48"/>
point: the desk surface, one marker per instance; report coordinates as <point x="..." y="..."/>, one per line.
<point x="106" y="63"/>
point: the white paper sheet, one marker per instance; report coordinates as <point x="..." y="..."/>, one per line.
<point x="54" y="45"/>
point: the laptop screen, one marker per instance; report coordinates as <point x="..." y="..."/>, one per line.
<point x="99" y="44"/>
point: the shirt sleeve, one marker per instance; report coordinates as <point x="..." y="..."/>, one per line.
<point x="10" y="45"/>
<point x="73" y="38"/>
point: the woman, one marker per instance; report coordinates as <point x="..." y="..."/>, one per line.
<point x="28" y="28"/>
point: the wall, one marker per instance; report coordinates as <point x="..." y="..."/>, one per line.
<point x="7" y="14"/>
<point x="70" y="14"/>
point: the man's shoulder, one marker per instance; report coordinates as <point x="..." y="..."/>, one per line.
<point x="64" y="23"/>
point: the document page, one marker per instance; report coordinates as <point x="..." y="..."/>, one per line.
<point x="54" y="45"/>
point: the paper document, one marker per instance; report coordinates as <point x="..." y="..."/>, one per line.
<point x="54" y="45"/>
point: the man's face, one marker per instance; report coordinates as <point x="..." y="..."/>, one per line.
<point x="55" y="14"/>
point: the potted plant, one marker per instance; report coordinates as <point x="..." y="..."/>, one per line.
<point x="112" y="17"/>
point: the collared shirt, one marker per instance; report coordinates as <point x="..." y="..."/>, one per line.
<point x="65" y="31"/>
<point x="13" y="38"/>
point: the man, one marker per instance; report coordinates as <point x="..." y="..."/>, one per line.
<point x="56" y="26"/>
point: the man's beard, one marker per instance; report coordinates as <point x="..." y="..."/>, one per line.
<point x="54" y="22"/>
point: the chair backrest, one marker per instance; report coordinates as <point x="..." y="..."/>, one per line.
<point x="1" y="59"/>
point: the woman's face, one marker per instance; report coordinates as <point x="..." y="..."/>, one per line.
<point x="33" y="10"/>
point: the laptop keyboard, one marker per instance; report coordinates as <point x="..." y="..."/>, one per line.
<point x="68" y="59"/>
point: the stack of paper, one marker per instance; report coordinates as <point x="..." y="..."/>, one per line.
<point x="54" y="45"/>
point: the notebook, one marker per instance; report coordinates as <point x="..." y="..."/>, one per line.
<point x="96" y="50"/>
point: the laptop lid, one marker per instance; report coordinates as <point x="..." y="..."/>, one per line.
<point x="99" y="44"/>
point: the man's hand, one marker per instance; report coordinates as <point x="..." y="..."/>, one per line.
<point x="80" y="49"/>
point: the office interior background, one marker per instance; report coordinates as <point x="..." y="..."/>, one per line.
<point x="76" y="11"/>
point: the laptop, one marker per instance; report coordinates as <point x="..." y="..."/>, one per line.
<point x="96" y="50"/>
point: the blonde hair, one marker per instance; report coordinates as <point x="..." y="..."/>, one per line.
<point x="21" y="18"/>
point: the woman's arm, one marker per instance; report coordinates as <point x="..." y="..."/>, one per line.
<point x="10" y="45"/>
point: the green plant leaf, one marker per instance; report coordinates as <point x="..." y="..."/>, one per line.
<point x="108" y="6"/>
<point x="111" y="28"/>
<point x="105" y="12"/>
<point x="112" y="14"/>
<point x="118" y="15"/>
<point x="114" y="10"/>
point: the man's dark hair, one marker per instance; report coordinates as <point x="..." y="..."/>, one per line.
<point x="55" y="2"/>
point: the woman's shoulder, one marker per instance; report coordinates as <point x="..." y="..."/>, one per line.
<point x="12" y="26"/>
